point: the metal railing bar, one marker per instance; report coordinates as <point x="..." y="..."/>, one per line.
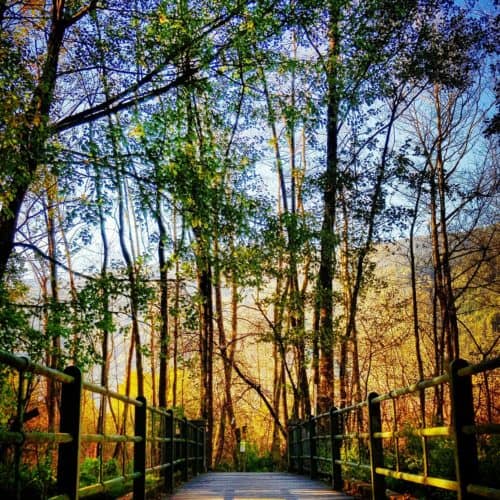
<point x="482" y="366"/>
<point x="483" y="491"/>
<point x="322" y="415"/>
<point x="157" y="439"/>
<point x="23" y="363"/>
<point x="322" y="437"/>
<point x="489" y="428"/>
<point x="93" y="489"/>
<point x="346" y="409"/>
<point x="158" y="411"/>
<point x="12" y="437"/>
<point x="445" y="484"/>
<point x="423" y="384"/>
<point x="35" y="437"/>
<point x="428" y="432"/>
<point x="357" y="465"/>
<point x="352" y="435"/>
<point x="158" y="468"/>
<point x="99" y="389"/>
<point x="111" y="438"/>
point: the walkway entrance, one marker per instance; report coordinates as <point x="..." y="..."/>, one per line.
<point x="254" y="486"/>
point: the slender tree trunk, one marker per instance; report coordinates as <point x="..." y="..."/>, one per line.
<point x="449" y="312"/>
<point x="177" y="292"/>
<point x="72" y="285"/>
<point x="221" y="436"/>
<point x="164" y="337"/>
<point x="327" y="254"/>
<point x="153" y="350"/>
<point x="54" y="305"/>
<point x="206" y="338"/>
<point x="439" y="301"/>
<point x="277" y="380"/>
<point x="120" y="448"/>
<point x="295" y="303"/>
<point x="232" y="351"/>
<point x="347" y="298"/>
<point x="414" y="297"/>
<point x="107" y="317"/>
<point x="223" y="346"/>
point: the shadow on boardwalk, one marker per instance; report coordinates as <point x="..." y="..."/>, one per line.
<point x="252" y="486"/>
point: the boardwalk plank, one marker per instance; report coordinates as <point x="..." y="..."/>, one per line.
<point x="253" y="486"/>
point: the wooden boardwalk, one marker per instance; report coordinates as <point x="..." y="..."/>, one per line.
<point x="252" y="486"/>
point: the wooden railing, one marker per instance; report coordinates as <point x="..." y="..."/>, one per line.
<point x="324" y="444"/>
<point x="178" y="443"/>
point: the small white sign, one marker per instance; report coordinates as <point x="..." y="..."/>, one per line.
<point x="242" y="446"/>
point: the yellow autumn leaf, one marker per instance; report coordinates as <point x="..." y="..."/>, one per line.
<point x="137" y="132"/>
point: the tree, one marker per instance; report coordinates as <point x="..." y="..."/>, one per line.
<point x="36" y="118"/>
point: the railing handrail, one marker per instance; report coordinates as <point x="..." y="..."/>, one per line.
<point x="462" y="429"/>
<point x="190" y="441"/>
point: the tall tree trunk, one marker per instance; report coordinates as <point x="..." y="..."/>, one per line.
<point x="164" y="337"/>
<point x="72" y="285"/>
<point x="107" y="317"/>
<point x="54" y="305"/>
<point x="414" y="297"/>
<point x="449" y="312"/>
<point x="346" y="279"/>
<point x="225" y="354"/>
<point x="439" y="301"/>
<point x="206" y="338"/>
<point x="327" y="254"/>
<point x="119" y="447"/>
<point x="177" y="292"/>
<point x="296" y="303"/>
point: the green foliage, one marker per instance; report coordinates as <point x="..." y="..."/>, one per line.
<point x="16" y="330"/>
<point x="256" y="461"/>
<point x="89" y="471"/>
<point x="35" y="481"/>
<point x="489" y="451"/>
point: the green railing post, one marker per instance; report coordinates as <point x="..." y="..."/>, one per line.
<point x="185" y="448"/>
<point x="376" y="447"/>
<point x="164" y="452"/>
<point x="68" y="463"/>
<point x="462" y="408"/>
<point x="204" y="434"/>
<point x="336" y="468"/>
<point x="195" y="447"/>
<point x="289" y="447"/>
<point x="294" y="451"/>
<point x="312" y="447"/>
<point x="140" y="450"/>
<point x="300" y="450"/>
<point x="170" y="455"/>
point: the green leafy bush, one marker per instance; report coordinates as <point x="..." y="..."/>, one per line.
<point x="35" y="482"/>
<point x="89" y="471"/>
<point x="255" y="462"/>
